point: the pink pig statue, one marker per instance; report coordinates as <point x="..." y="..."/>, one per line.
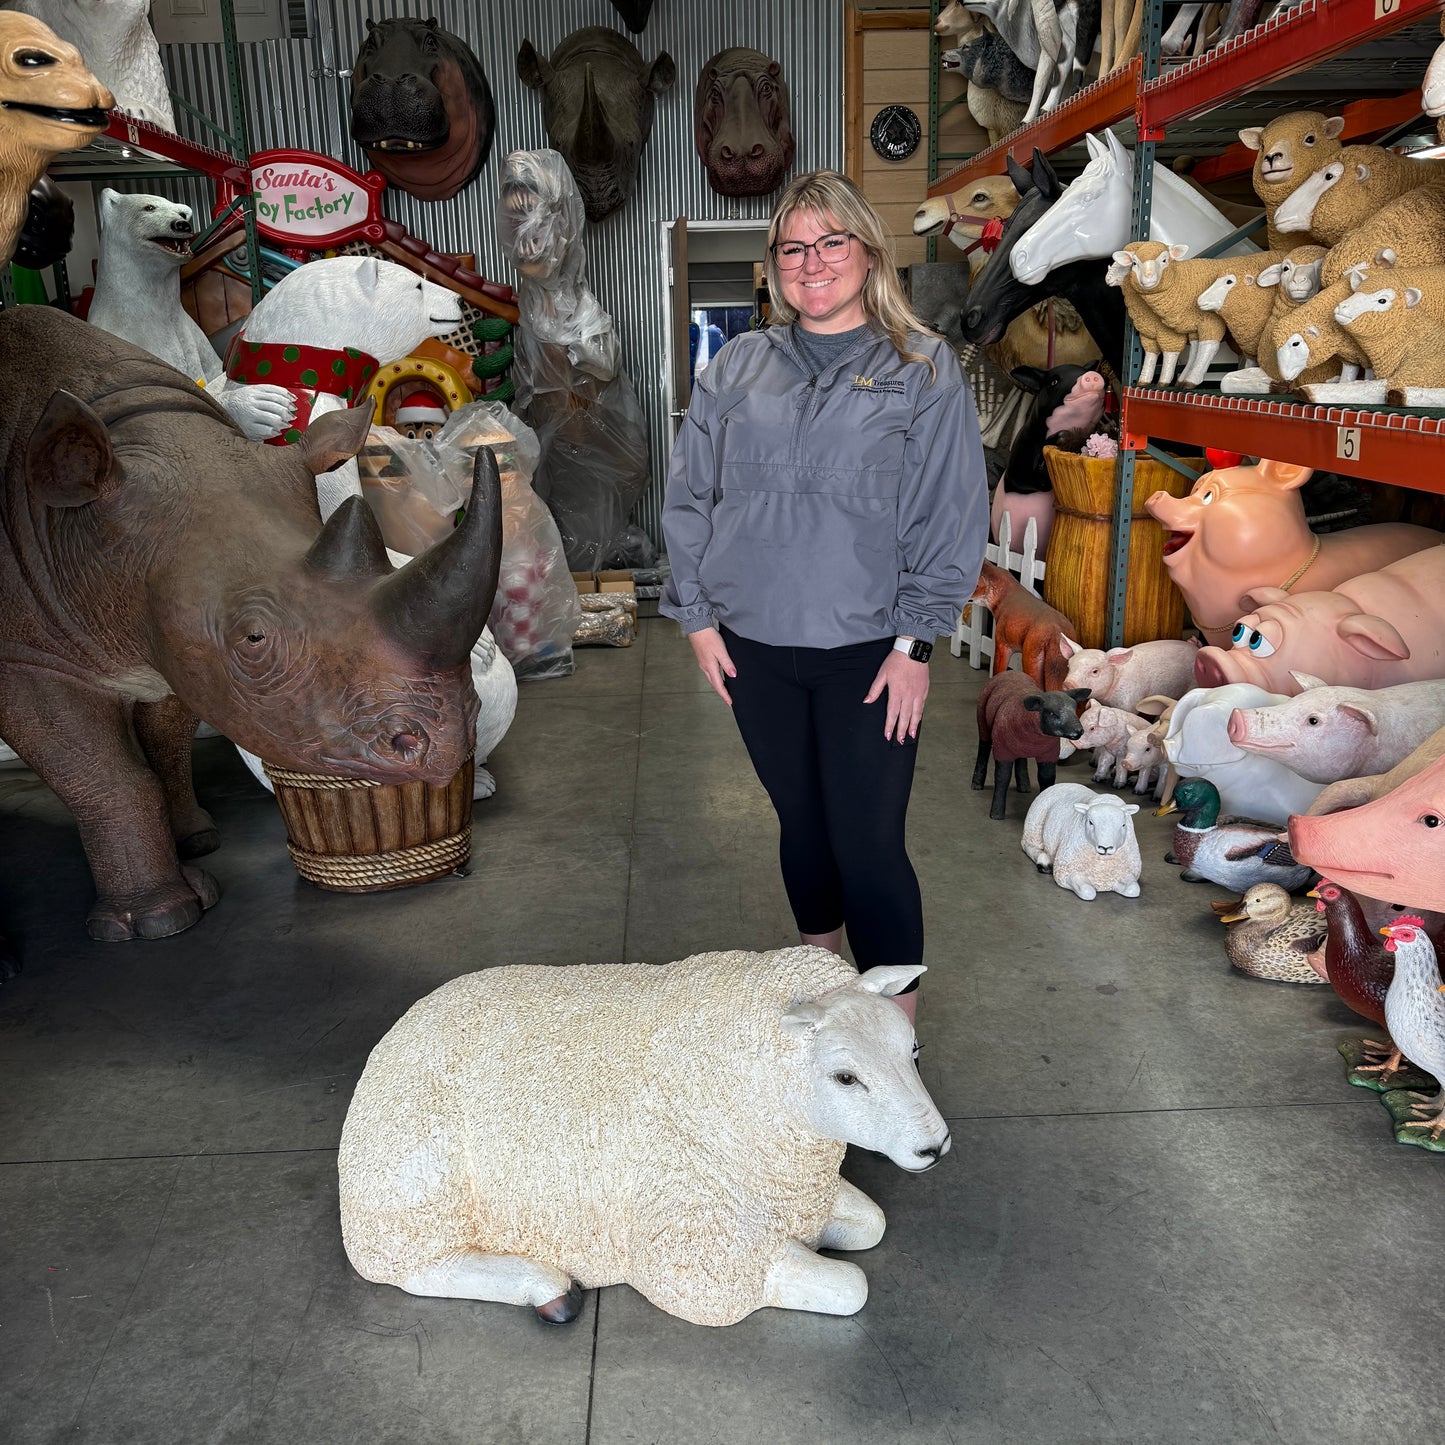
<point x="1376" y="630"/>
<point x="1243" y="528"/>
<point x="1124" y="676"/>
<point x="1392" y="849"/>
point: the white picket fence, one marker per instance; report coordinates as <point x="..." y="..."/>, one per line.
<point x="975" y="622"/>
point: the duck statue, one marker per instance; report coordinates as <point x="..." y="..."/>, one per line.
<point x="1271" y="935"/>
<point x="1234" y="852"/>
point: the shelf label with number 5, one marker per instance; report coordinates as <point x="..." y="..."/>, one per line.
<point x="1347" y="443"/>
<point x="1386" y="8"/>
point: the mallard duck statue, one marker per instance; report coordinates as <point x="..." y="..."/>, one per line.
<point x="1233" y="852"/>
<point x="1271" y="935"/>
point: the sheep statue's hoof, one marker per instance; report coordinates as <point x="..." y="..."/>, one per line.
<point x="562" y="1310"/>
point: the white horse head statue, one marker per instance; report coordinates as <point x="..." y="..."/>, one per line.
<point x="1093" y="217"/>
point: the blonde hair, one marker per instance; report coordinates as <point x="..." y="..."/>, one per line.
<point x="826" y="193"/>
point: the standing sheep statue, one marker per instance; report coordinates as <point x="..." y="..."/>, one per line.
<point x="1085" y="839"/>
<point x="525" y="1133"/>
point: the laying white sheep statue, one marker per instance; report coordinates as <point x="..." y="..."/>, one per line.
<point x="1085" y="839"/>
<point x="525" y="1133"/>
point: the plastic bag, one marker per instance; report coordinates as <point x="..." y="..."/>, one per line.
<point x="570" y="385"/>
<point x="418" y="490"/>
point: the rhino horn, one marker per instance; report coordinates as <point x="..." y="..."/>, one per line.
<point x="439" y="602"/>
<point x="350" y="544"/>
<point x="593" y="146"/>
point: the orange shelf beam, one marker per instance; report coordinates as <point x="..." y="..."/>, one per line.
<point x="1104" y="103"/>
<point x="1406" y="448"/>
<point x="1315" y="31"/>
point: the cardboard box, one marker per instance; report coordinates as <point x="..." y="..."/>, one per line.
<point x="615" y="582"/>
<point x="585" y="581"/>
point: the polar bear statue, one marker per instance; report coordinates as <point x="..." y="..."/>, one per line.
<point x="525" y="1133"/>
<point x="119" y="46"/>
<point x="144" y="241"/>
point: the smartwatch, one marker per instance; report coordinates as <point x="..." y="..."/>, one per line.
<point x="915" y="647"/>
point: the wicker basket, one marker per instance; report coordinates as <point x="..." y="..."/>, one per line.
<point x="355" y="836"/>
<point x="1076" y="565"/>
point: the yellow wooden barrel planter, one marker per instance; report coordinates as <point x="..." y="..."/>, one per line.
<point x="1076" y="565"/>
<point x="354" y="836"/>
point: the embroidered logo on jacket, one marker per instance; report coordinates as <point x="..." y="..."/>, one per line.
<point x="878" y="385"/>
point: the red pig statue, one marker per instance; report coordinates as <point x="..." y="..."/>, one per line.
<point x="156" y="566"/>
<point x="1243" y="528"/>
<point x="1392" y="849"/>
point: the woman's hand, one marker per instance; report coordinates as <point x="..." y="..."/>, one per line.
<point x="712" y="657"/>
<point x="907" y="684"/>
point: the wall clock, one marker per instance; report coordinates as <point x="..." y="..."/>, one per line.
<point x="895" y="132"/>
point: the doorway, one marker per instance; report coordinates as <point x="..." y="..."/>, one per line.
<point x="713" y="273"/>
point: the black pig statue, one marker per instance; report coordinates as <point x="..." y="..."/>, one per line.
<point x="155" y="566"/>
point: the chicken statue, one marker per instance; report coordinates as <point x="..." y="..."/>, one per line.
<point x="1415" y="1016"/>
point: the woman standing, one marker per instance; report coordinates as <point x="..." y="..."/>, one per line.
<point x="825" y="519"/>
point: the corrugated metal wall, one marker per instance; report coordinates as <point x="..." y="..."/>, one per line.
<point x="295" y="98"/>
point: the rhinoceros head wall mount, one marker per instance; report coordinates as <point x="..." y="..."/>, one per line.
<point x="741" y="125"/>
<point x="597" y="101"/>
<point x="421" y="107"/>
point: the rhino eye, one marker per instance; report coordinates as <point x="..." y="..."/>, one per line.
<point x="1430" y="820"/>
<point x="847" y="1080"/>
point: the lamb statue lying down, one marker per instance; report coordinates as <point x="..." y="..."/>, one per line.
<point x="525" y="1133"/>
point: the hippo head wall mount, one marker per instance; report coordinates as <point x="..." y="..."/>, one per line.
<point x="597" y="100"/>
<point x="421" y="107"/>
<point x="741" y="124"/>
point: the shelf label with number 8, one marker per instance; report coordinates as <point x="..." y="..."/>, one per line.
<point x="1347" y="443"/>
<point x="1386" y="8"/>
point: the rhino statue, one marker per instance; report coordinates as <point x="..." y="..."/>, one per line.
<point x="156" y="566"/>
<point x="597" y="101"/>
<point x="740" y="123"/>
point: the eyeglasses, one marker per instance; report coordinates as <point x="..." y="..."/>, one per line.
<point x="832" y="248"/>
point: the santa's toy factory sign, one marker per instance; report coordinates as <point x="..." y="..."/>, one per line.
<point x="306" y="200"/>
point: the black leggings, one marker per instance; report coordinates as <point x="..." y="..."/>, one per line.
<point x="840" y="790"/>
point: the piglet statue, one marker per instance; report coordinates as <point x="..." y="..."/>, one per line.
<point x="1376" y="630"/>
<point x="1242" y="530"/>
<point x="1329" y="733"/>
<point x="1066" y="399"/>
<point x="1392" y="849"/>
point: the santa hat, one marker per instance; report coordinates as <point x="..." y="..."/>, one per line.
<point x="420" y="408"/>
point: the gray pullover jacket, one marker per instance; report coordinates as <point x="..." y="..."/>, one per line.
<point x="821" y="511"/>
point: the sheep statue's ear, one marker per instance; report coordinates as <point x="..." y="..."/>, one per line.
<point x="1178" y="252"/>
<point x="803" y="1018"/>
<point x="888" y="979"/>
<point x="1413" y="296"/>
<point x="1334" y="126"/>
<point x="1270" y="276"/>
<point x="1356" y="275"/>
<point x="1362" y="173"/>
<point x="1386" y="256"/>
<point x="1253" y="137"/>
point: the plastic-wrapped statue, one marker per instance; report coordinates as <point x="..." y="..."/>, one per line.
<point x="570" y="386"/>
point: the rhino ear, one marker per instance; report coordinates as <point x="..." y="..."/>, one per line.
<point x="333" y="438"/>
<point x="1373" y="637"/>
<point x="69" y="460"/>
<point x="803" y="1018"/>
<point x="661" y="73"/>
<point x="532" y="70"/>
<point x="889" y="979"/>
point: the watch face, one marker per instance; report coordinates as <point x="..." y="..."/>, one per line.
<point x="895" y="132"/>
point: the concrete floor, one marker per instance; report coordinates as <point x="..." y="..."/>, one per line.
<point x="1166" y="1217"/>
